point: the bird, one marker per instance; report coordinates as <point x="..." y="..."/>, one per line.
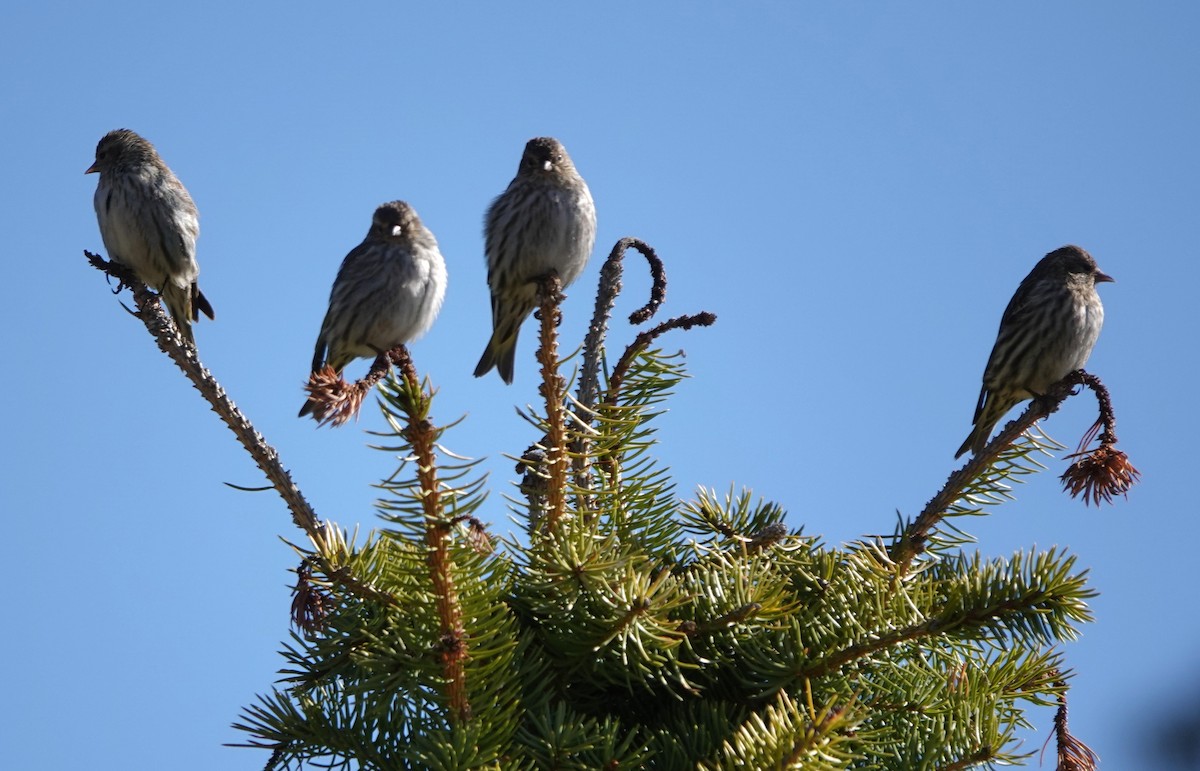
<point x="387" y="292"/>
<point x="544" y="221"/>
<point x="149" y="223"/>
<point x="1048" y="331"/>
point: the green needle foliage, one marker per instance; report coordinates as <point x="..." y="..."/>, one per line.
<point x="629" y="628"/>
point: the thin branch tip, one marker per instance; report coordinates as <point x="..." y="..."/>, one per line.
<point x="643" y="340"/>
<point x="1100" y="475"/>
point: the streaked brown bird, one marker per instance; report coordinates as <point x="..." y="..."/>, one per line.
<point x="1048" y="330"/>
<point x="544" y="221"/>
<point x="387" y="292"/>
<point x="149" y="223"/>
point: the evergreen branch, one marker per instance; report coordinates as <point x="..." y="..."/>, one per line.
<point x="971" y="760"/>
<point x="836" y="661"/>
<point x="323" y="536"/>
<point x="943" y="701"/>
<point x="626" y="488"/>
<point x="913" y="540"/>
<point x="1030" y="598"/>
<point x="422" y="437"/>
<point x="552" y="390"/>
<point x="753" y="527"/>
<point x="789" y="735"/>
<point x="557" y="737"/>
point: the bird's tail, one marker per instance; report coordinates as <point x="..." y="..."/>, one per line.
<point x="200" y="304"/>
<point x="500" y="353"/>
<point x="977" y="440"/>
<point x="185" y="306"/>
<point x="992" y="407"/>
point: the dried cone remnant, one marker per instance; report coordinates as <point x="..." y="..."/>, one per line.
<point x="478" y="537"/>
<point x="310" y="605"/>
<point x="332" y="401"/>
<point x="1073" y="755"/>
<point x="1100" y="474"/>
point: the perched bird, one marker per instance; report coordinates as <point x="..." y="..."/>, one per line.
<point x="149" y="223"/>
<point x="545" y="220"/>
<point x="387" y="292"/>
<point x="1047" y="331"/>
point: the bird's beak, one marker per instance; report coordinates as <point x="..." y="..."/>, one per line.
<point x="548" y="165"/>
<point x="398" y="231"/>
<point x="1101" y="277"/>
<point x="91" y="169"/>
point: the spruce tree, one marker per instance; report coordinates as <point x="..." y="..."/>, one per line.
<point x="629" y="628"/>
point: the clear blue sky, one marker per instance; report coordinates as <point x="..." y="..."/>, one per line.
<point x="855" y="190"/>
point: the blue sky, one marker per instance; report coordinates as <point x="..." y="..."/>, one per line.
<point x="854" y="189"/>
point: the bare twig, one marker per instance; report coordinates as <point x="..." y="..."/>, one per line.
<point x="160" y="326"/>
<point x="610" y="286"/>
